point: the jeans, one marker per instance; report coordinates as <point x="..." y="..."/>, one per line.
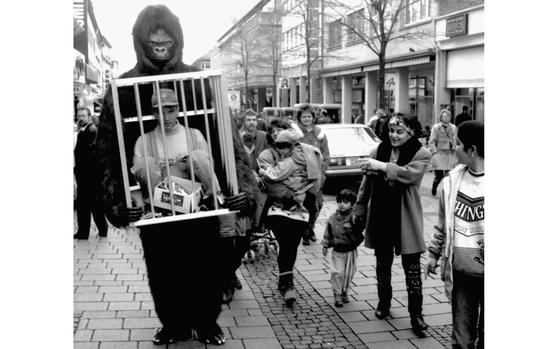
<point x="467" y="303"/>
<point x="413" y="277"/>
<point x="343" y="270"/>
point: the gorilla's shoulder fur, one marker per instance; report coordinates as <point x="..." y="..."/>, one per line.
<point x="111" y="186"/>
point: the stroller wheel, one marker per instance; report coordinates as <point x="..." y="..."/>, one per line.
<point x="250" y="256"/>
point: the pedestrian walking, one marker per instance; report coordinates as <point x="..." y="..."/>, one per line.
<point x="442" y="145"/>
<point x="464" y="116"/>
<point x="459" y="238"/>
<point x="313" y="135"/>
<point x="389" y="197"/>
<point x="344" y="237"/>
<point x="288" y="227"/>
<point x="85" y="172"/>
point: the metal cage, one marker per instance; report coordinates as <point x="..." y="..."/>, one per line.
<point x="200" y="94"/>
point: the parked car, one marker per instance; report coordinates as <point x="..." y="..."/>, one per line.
<point x="347" y="144"/>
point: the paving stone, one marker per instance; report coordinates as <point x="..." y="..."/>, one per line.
<point x="141" y="323"/>
<point x="427" y="343"/>
<point x="116" y="297"/>
<point x="133" y="313"/>
<point x="94" y="324"/>
<point x="404" y="344"/>
<point x="370" y="326"/>
<point x="118" y="345"/>
<point x="83" y="306"/>
<point x="110" y="335"/>
<point x="87" y="297"/>
<point x="252" y="332"/>
<point x="142" y="334"/>
<point x="376" y="337"/>
<point x="438" y="320"/>
<point x="82" y="335"/>
<point x="86" y="345"/>
<point x="124" y="305"/>
<point x="251" y="321"/>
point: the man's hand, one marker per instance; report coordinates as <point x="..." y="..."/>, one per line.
<point x="239" y="202"/>
<point x="430" y="265"/>
<point x="325" y="251"/>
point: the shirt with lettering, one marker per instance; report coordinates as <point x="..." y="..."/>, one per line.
<point x="468" y="246"/>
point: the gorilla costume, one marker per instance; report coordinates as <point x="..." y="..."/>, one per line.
<point x="185" y="260"/>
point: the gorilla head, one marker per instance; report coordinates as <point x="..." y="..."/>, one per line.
<point x="158" y="39"/>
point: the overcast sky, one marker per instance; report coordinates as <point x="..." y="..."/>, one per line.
<point x="203" y="22"/>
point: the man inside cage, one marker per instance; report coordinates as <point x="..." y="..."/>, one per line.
<point x="153" y="163"/>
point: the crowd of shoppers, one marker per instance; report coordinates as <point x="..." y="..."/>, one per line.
<point x="289" y="160"/>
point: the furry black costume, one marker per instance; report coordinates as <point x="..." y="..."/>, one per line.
<point x="183" y="275"/>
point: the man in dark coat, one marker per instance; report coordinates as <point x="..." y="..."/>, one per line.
<point x="183" y="271"/>
<point x="464" y="116"/>
<point x="84" y="170"/>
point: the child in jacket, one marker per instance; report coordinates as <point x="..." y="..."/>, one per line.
<point x="343" y="237"/>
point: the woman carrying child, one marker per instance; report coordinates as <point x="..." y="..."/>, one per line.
<point x="291" y="176"/>
<point x="390" y="197"/>
<point x="344" y="237"/>
<point x="459" y="238"/>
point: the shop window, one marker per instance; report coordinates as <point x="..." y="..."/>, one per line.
<point x="356" y="21"/>
<point x="335" y="34"/>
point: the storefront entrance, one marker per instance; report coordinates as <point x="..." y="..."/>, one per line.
<point x="472" y="97"/>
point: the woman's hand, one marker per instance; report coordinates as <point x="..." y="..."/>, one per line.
<point x="372" y="165"/>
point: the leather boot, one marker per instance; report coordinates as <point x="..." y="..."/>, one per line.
<point x="413" y="277"/>
<point x="384" y="289"/>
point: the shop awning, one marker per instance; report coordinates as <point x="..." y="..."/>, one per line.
<point x="465" y="68"/>
<point x="394" y="62"/>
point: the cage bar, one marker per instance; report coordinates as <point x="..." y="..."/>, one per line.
<point x="220" y="114"/>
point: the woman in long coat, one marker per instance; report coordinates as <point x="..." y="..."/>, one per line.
<point x="389" y="197"/>
<point x="442" y="144"/>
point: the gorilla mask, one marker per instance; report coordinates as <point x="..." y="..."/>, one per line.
<point x="160" y="45"/>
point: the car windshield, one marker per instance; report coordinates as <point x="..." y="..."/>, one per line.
<point x="349" y="141"/>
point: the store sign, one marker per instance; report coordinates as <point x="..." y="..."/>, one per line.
<point x="233" y="99"/>
<point x="456" y="25"/>
<point x="390" y="81"/>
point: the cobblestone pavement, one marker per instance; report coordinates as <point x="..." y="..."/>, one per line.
<point x="113" y="307"/>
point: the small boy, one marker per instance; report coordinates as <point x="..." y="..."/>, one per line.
<point x="344" y="237"/>
<point x="459" y="238"/>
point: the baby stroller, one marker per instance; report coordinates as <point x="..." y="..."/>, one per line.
<point x="260" y="241"/>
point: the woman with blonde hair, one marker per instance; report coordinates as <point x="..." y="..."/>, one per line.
<point x="442" y="144"/>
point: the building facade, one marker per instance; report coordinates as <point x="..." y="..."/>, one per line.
<point x="301" y="52"/>
<point x="248" y="55"/>
<point x="350" y="68"/>
<point x="460" y="60"/>
<point x="93" y="66"/>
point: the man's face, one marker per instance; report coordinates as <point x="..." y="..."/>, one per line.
<point x="170" y="114"/>
<point x="83" y="117"/>
<point x="250" y="123"/>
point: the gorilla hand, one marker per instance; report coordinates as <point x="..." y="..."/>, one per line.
<point x="239" y="202"/>
<point x="131" y="214"/>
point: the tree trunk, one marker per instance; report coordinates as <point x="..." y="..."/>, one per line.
<point x="381" y="80"/>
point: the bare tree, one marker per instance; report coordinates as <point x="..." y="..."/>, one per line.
<point x="270" y="53"/>
<point x="374" y="25"/>
<point x="308" y="11"/>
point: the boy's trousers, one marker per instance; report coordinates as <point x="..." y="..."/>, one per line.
<point x="343" y="270"/>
